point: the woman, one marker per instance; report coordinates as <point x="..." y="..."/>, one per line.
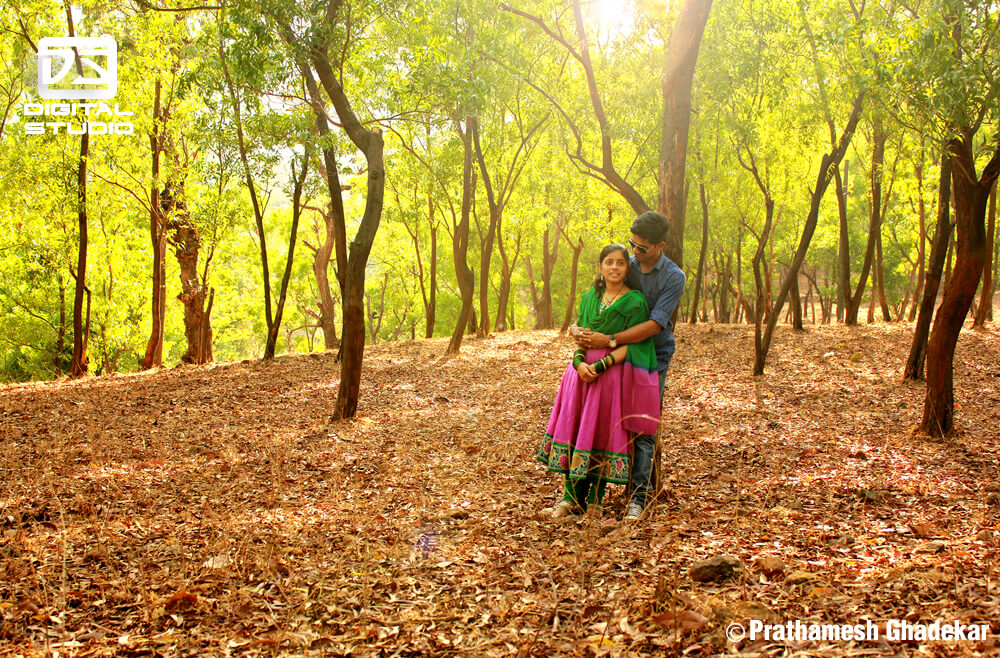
<point x="605" y="394"/>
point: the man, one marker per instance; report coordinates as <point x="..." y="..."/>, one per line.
<point x="663" y="286"/>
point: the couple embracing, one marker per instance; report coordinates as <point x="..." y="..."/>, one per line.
<point x="604" y="420"/>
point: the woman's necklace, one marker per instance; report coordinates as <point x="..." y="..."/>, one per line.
<point x="605" y="302"/>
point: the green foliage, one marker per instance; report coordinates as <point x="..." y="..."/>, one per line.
<point x="775" y="79"/>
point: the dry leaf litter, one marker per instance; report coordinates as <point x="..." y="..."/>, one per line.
<point x="218" y="511"/>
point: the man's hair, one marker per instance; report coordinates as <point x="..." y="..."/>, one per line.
<point x="650" y="226"/>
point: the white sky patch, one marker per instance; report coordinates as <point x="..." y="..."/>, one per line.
<point x="614" y="18"/>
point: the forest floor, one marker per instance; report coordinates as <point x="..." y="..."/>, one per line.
<point x="216" y="510"/>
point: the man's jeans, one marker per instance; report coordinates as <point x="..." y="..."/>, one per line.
<point x="644" y="448"/>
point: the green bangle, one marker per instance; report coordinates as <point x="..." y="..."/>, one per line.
<point x="578" y="357"/>
<point x="605" y="363"/>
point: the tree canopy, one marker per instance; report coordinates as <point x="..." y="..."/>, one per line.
<point x="224" y="224"/>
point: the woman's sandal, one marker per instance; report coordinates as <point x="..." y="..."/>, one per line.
<point x="564" y="509"/>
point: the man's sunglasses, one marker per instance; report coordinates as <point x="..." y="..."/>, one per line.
<point x="642" y="250"/>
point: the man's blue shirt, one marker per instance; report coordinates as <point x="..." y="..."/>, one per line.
<point x="663" y="286"/>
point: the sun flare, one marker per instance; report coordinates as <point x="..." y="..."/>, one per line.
<point x="614" y="18"/>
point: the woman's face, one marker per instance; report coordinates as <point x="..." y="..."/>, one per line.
<point x="614" y="267"/>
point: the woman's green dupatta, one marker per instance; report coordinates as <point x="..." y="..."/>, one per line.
<point x="629" y="310"/>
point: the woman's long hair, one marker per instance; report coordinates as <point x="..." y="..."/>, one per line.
<point x="631" y="278"/>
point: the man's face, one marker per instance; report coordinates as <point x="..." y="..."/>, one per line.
<point x="652" y="251"/>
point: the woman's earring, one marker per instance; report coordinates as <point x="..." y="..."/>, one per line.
<point x="601" y="276"/>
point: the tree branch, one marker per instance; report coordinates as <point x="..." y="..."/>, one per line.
<point x="144" y="202"/>
<point x="145" y="4"/>
<point x="542" y="24"/>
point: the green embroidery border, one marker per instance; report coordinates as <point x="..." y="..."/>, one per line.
<point x="581" y="462"/>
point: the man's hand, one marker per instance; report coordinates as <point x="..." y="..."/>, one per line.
<point x="586" y="338"/>
<point x="586" y="372"/>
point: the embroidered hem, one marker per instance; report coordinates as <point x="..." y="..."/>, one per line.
<point x="613" y="467"/>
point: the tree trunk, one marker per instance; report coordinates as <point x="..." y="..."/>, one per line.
<point x="855" y="300"/>
<point x="429" y="297"/>
<point x="811" y="285"/>
<point x="942" y="235"/>
<point x="741" y="305"/>
<point x="375" y="317"/>
<point x="910" y="284"/>
<point x="760" y="311"/>
<point x="822" y="182"/>
<point x="258" y="210"/>
<point x="706" y="293"/>
<point x="532" y="288"/>
<point x="759" y="272"/>
<point x="274" y="325"/>
<point x="60" y="358"/>
<point x="421" y="275"/>
<point x="679" y="62"/>
<point x="880" y="273"/>
<point x="207" y="352"/>
<point x="187" y="244"/>
<point x="921" y="244"/>
<point x="371" y="145"/>
<point x="996" y="261"/>
<point x="571" y="306"/>
<point x="353" y="340"/>
<point x="721" y="268"/>
<point x="153" y="357"/>
<point x="460" y="242"/>
<point x="693" y="316"/>
<point x="874" y="223"/>
<point x="78" y="366"/>
<point x="678" y="75"/>
<point x="543" y="309"/>
<point x="711" y="293"/>
<point x="320" y="268"/>
<point x="507" y="269"/>
<point x="81" y="326"/>
<point x="871" y="301"/>
<point x="499" y="189"/>
<point x="985" y="310"/>
<point x="810" y="304"/>
<point x="951" y="253"/>
<point x="971" y="198"/>
<point x="486" y="248"/>
<point x="334" y="220"/>
<point x="844" y="297"/>
<point x="432" y="300"/>
<point x="796" y="304"/>
<point x="473" y="323"/>
<point x="503" y="295"/>
<point x="726" y="278"/>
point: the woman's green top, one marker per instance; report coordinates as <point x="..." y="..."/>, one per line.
<point x="627" y="311"/>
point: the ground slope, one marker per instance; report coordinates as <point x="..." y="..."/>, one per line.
<point x="217" y="510"/>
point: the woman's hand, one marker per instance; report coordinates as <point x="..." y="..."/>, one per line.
<point x="586" y="372"/>
<point x="586" y="338"/>
<point x="593" y="339"/>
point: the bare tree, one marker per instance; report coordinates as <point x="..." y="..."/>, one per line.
<point x="460" y="239"/>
